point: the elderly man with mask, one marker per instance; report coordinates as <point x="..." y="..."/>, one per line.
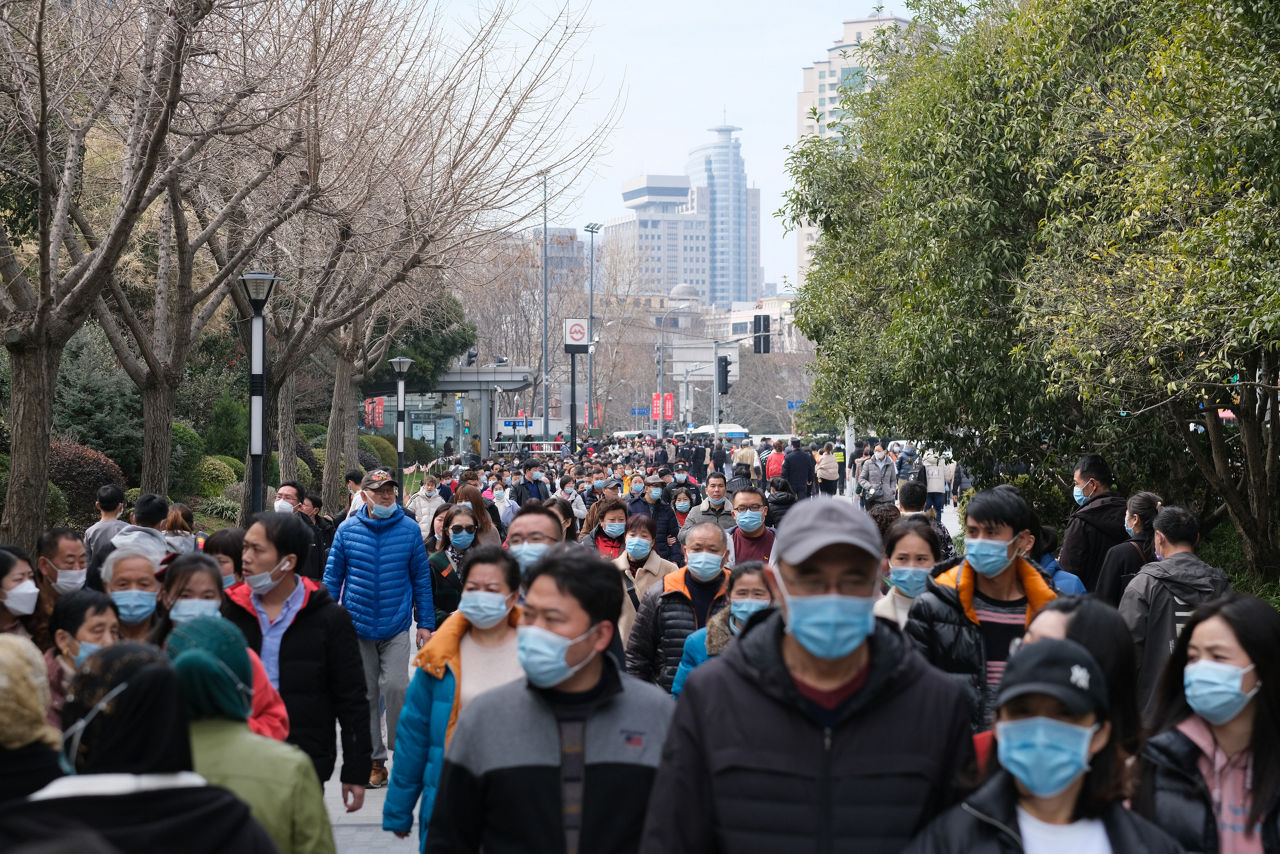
<point x="819" y="727"/>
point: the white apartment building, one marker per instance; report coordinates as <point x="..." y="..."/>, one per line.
<point x="736" y="322"/>
<point x="670" y="235"/>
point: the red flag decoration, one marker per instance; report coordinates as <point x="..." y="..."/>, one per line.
<point x="379" y="412"/>
<point x="668" y="407"/>
<point x="655" y="411"/>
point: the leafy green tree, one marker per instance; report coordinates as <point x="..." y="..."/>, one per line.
<point x="95" y="404"/>
<point x="228" y="430"/>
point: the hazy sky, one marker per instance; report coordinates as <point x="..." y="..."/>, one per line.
<point x="685" y="66"/>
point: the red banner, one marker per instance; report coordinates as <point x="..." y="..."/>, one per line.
<point x="668" y="407"/>
<point x="379" y="412"/>
<point x="656" y="409"/>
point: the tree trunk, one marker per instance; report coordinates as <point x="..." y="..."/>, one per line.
<point x="159" y="404"/>
<point x="286" y="430"/>
<point x="335" y="493"/>
<point x="351" y="429"/>
<point x="34" y="375"/>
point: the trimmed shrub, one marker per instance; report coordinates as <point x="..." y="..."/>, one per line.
<point x="369" y="460"/>
<point x="273" y="471"/>
<point x="384" y="449"/>
<point x="311" y="432"/>
<point x="319" y="441"/>
<point x="131" y="497"/>
<point x="184" y="460"/>
<point x="237" y="466"/>
<point x="228" y="430"/>
<point x="214" y="476"/>
<point x="78" y="471"/>
<point x="55" y="503"/>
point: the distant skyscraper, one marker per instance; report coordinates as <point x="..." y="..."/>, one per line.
<point x="843" y="68"/>
<point x="733" y="209"/>
<point x="669" y="237"/>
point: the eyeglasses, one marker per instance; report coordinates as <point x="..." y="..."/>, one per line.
<point x="535" y="538"/>
<point x="462" y="529"/>
<point x="751" y="507"/>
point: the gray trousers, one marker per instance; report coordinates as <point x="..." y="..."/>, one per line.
<point x="386" y="677"/>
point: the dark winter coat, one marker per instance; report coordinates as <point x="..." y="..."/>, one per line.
<point x="944" y="627"/>
<point x="663" y="622"/>
<point x="1172" y="792"/>
<point x="748" y="766"/>
<point x="1091" y="532"/>
<point x="527" y="490"/>
<point x="798" y="470"/>
<point x="446" y="585"/>
<point x="668" y="526"/>
<point x="1121" y="565"/>
<point x="987" y="823"/>
<point x="779" y="504"/>
<point x="1157" y="604"/>
<point x="321" y="678"/>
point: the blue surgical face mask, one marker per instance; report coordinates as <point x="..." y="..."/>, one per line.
<point x="461" y="541"/>
<point x="483" y="609"/>
<point x="527" y="554"/>
<point x="380" y="512"/>
<point x="499" y="494"/>
<point x="987" y="557"/>
<point x="1078" y="495"/>
<point x="716" y="502"/>
<point x="638" y="548"/>
<point x="185" y="610"/>
<point x="135" y="605"/>
<point x="615" y="529"/>
<point x="1044" y="754"/>
<point x="681" y="477"/>
<point x="683" y="506"/>
<point x="637" y="487"/>
<point x="466" y="504"/>
<point x="655" y="493"/>
<point x="750" y="520"/>
<point x="597" y="485"/>
<point x="1214" y="691"/>
<point x="1128" y="529"/>
<point x="228" y="580"/>
<point x="830" y="626"/>
<point x="705" y="565"/>
<point x="542" y="655"/>
<point x="908" y="580"/>
<point x="87" y="648"/>
<point x="537" y="475"/>
<point x="741" y="611"/>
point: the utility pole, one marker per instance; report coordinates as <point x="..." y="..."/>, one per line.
<point x="591" y="228"/>
<point x="546" y="321"/>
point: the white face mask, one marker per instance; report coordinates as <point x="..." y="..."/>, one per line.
<point x="70" y="580"/>
<point x="282" y="506"/>
<point x="21" y="600"/>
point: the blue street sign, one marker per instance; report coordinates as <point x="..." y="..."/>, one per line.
<point x="516" y="422"/>
<point x="795" y="404"/>
<point x="640" y="410"/>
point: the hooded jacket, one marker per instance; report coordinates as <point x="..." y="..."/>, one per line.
<point x="1091" y="531"/>
<point x="321" y="678"/>
<point x="779" y="504"/>
<point x="133" y="536"/>
<point x="1156" y="605"/>
<point x="987" y="823"/>
<point x="426" y="726"/>
<point x="378" y="570"/>
<point x="943" y="625"/>
<point x="665" y="618"/>
<point x="748" y="768"/>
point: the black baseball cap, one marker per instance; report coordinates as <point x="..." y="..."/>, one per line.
<point x="1062" y="669"/>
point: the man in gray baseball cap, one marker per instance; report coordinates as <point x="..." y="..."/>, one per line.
<point x="832" y="719"/>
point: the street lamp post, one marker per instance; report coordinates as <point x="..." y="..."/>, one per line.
<point x="662" y="350"/>
<point x="591" y="228"/>
<point x="257" y="287"/>
<point x="546" y="320"/>
<point x="400" y="364"/>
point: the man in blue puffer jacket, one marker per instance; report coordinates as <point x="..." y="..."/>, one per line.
<point x="378" y="570"/>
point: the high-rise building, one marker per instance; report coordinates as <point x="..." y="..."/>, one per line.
<point x="733" y="210"/>
<point x="818" y="104"/>
<point x="668" y="234"/>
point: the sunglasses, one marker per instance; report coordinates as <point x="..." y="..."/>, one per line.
<point x="462" y="529"/>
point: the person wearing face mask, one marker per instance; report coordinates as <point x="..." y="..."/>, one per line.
<point x="424" y="502"/>
<point x="1124" y="561"/>
<point x="308" y="647"/>
<point x="458" y="529"/>
<point x="129" y="574"/>
<point x="61" y="568"/>
<point x="878" y="478"/>
<point x="378" y="569"/>
<point x="911" y="501"/>
<point x="682" y="604"/>
<point x="193" y="589"/>
<point x="714" y="508"/>
<point x="534" y="529"/>
<point x="639" y="567"/>
<point x="680" y="479"/>
<point x="748" y="594"/>
<point x="18" y="595"/>
<point x="650" y="503"/>
<point x="533" y="486"/>
<point x="1208" y="774"/>
<point x="608" y="537"/>
<point x="838" y="736"/>
<point x="473" y="651"/>
<point x="1158" y="602"/>
<point x="1060" y="784"/>
<point x="275" y="779"/>
<point x="1097" y="524"/>
<point x="750" y="539"/>
<point x="226" y="546"/>
<point x="966" y="619"/>
<point x="682" y="503"/>
<point x="911" y="550"/>
<point x="83" y="622"/>
<point x="529" y="761"/>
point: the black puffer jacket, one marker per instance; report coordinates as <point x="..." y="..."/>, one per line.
<point x="749" y="767"/>
<point x="321" y="679"/>
<point x="944" y="629"/>
<point x="1121" y="565"/>
<point x="1172" y="793"/>
<point x="779" y="504"/>
<point x="663" y="621"/>
<point x="987" y="823"/>
<point x="1091" y="532"/>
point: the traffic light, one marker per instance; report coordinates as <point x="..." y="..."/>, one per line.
<point x="471" y="357"/>
<point x="722" y="375"/>
<point x="760" y="329"/>
<point x="466" y="425"/>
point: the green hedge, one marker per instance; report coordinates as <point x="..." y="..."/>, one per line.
<point x="273" y="472"/>
<point x="184" y="460"/>
<point x="56" y="510"/>
<point x="237" y="466"/>
<point x="214" y="476"/>
<point x="384" y="449"/>
<point x="312" y="431"/>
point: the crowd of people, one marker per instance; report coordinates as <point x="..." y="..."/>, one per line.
<point x="647" y="646"/>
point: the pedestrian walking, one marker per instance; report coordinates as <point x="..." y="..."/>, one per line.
<point x="911" y="550"/>
<point x="1097" y="523"/>
<point x="1125" y="560"/>
<point x="640" y="567"/>
<point x="878" y="478"/>
<point x="798" y="469"/>
<point x="748" y="594"/>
